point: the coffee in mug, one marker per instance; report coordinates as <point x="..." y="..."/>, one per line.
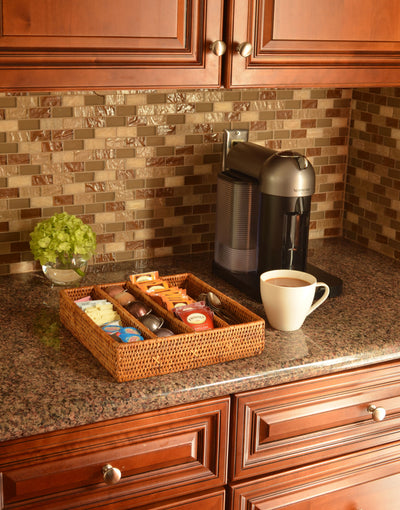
<point x="288" y="282"/>
<point x="288" y="295"/>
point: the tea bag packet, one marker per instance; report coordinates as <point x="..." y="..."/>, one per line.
<point x="144" y="277"/>
<point x="102" y="313"/>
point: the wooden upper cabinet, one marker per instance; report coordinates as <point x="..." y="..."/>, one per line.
<point x="117" y="44"/>
<point x="109" y="43"/>
<point x="300" y="43"/>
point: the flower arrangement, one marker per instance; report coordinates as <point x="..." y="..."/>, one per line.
<point x="60" y="238"/>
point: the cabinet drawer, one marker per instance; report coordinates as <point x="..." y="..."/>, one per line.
<point x="213" y="500"/>
<point x="368" y="480"/>
<point x="163" y="454"/>
<point x="297" y="423"/>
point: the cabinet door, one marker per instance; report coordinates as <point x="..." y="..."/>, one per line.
<point x="368" y="480"/>
<point x="172" y="453"/>
<point x="315" y="43"/>
<point x="302" y="422"/>
<point x="96" y="44"/>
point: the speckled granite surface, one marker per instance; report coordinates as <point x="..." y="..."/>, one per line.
<point x="49" y="381"/>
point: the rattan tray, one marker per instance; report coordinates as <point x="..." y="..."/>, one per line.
<point x="163" y="355"/>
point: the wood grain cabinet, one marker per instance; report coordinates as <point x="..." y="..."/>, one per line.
<point x="174" y="458"/>
<point x="314" y="43"/>
<point x="103" y="44"/>
<point x="331" y="442"/>
<point x="368" y="480"/>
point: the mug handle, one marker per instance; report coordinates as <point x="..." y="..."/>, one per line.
<point x="322" y="298"/>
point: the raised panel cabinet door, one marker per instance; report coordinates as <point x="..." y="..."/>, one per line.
<point x="152" y="457"/>
<point x="368" y="480"/>
<point x="306" y="421"/>
<point x="97" y="44"/>
<point x="314" y="43"/>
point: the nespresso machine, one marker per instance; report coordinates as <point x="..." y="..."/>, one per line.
<point x="263" y="216"/>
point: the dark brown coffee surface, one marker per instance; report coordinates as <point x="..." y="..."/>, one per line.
<point x="288" y="282"/>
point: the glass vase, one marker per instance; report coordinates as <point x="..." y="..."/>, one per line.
<point x="66" y="273"/>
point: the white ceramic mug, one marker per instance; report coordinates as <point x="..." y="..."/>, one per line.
<point x="288" y="295"/>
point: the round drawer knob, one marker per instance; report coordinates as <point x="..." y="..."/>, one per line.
<point x="378" y="413"/>
<point x="245" y="49"/>
<point x="111" y="475"/>
<point x="218" y="48"/>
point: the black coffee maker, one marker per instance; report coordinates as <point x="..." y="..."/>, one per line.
<point x="263" y="215"/>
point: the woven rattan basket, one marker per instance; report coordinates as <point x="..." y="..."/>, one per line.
<point x="163" y="355"/>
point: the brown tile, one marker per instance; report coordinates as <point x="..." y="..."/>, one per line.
<point x="50" y="101"/>
<point x="115" y="121"/>
<point x="156" y="98"/>
<point x="125" y="110"/>
<point x="8" y="102"/>
<point x="63" y="200"/>
<point x="40" y="113"/>
<point x="11" y="258"/>
<point x="62" y="111"/>
<point x="299" y="133"/>
<point x="72" y="145"/>
<point x="9" y="192"/>
<point x="42" y="180"/>
<point x="284" y="114"/>
<point x="115" y="206"/>
<point x="19" y="159"/>
<point x="94" y="99"/>
<point x="62" y="134"/>
<point x="105" y="197"/>
<point x="39" y="136"/>
<point x="7" y="148"/>
<point x="28" y="124"/>
<point x="155" y="140"/>
<point x="93" y="166"/>
<point x="96" y="187"/>
<point x="52" y="146"/>
<point x="77" y="166"/>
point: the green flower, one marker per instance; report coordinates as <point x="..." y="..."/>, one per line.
<point x="61" y="237"/>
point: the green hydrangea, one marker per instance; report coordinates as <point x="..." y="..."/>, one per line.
<point x="61" y="237"/>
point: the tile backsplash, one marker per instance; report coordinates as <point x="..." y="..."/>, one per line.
<point x="372" y="201"/>
<point x="140" y="166"/>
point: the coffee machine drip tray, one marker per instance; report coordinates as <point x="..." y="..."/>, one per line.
<point x="249" y="283"/>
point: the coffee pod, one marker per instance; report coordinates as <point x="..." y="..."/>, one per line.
<point x="138" y="309"/>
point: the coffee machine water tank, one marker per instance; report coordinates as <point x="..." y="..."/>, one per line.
<point x="277" y="211"/>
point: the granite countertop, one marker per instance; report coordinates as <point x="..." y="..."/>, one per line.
<point x="49" y="381"/>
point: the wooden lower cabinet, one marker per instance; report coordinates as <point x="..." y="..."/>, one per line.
<point x="290" y="425"/>
<point x="166" y="458"/>
<point x="364" y="481"/>
<point x="327" y="443"/>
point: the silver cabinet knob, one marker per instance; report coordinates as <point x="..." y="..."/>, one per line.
<point x="111" y="475"/>
<point x="378" y="413"/>
<point x="218" y="48"/>
<point x="244" y="49"/>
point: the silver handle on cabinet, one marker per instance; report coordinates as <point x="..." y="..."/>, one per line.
<point x="244" y="49"/>
<point x="218" y="48"/>
<point x="378" y="413"/>
<point x="111" y="475"/>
